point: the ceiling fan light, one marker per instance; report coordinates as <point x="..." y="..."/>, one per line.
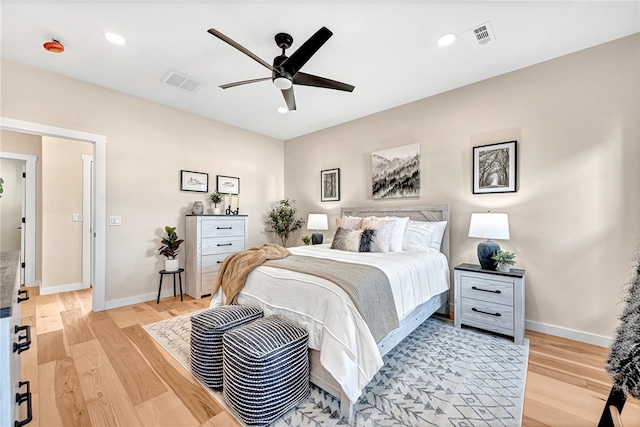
<point x="114" y="38"/>
<point x="446" y="39"/>
<point x="282" y="83"/>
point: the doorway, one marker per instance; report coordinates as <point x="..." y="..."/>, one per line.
<point x="98" y="243"/>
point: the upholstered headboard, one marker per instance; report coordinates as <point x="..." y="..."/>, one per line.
<point x="415" y="213"/>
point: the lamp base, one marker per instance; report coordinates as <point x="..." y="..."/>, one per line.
<point x="316" y="238"/>
<point x="486" y="250"/>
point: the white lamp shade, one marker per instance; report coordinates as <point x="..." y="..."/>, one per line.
<point x="489" y="226"/>
<point x="317" y="222"/>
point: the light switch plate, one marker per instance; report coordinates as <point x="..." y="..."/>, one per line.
<point x="76" y="217"/>
<point x="115" y="220"/>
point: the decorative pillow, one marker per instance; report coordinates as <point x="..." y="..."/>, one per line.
<point x="382" y="237"/>
<point x="437" y="234"/>
<point x="353" y="240"/>
<point x="397" y="235"/>
<point x="423" y="236"/>
<point x="349" y="222"/>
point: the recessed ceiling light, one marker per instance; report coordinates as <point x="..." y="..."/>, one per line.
<point x="114" y="38"/>
<point x="446" y="39"/>
<point x="283" y="110"/>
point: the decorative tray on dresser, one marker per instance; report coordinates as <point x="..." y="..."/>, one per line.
<point x="490" y="300"/>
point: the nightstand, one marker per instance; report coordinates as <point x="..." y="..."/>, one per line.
<point x="490" y="300"/>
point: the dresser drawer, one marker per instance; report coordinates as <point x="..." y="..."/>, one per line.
<point x="220" y="228"/>
<point x="477" y="313"/>
<point x="487" y="290"/>
<point x="211" y="263"/>
<point x="222" y="245"/>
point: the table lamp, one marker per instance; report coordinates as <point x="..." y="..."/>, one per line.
<point x="489" y="226"/>
<point x="317" y="222"/>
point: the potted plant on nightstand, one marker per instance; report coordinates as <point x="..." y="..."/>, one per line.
<point x="504" y="260"/>
<point x="215" y="198"/>
<point x="169" y="249"/>
<point x="306" y="240"/>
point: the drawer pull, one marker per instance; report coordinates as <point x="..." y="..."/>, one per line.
<point x="24" y="397"/>
<point x="486" y="290"/>
<point x="219" y="262"/>
<point x="225" y="244"/>
<point x="224" y="228"/>
<point x="20" y="292"/>
<point x="18" y="346"/>
<point x="486" y="312"/>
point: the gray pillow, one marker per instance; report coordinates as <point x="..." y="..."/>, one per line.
<point x="353" y="240"/>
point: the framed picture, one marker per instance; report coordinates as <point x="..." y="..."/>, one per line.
<point x="395" y="172"/>
<point x="494" y="168"/>
<point x="227" y="184"/>
<point x="194" y="181"/>
<point x="330" y="185"/>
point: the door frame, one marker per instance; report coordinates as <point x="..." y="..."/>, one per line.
<point x="30" y="214"/>
<point x="87" y="217"/>
<point x="99" y="191"/>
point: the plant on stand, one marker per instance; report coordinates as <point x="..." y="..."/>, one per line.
<point x="504" y="260"/>
<point x="170" y="248"/>
<point x="215" y="198"/>
<point x="282" y="221"/>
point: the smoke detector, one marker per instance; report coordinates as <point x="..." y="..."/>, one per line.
<point x="182" y="81"/>
<point x="483" y="33"/>
<point x="53" y="45"/>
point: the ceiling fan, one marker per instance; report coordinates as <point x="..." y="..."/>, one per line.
<point x="285" y="71"/>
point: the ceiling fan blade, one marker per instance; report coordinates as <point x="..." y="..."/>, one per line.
<point x="289" y="98"/>
<point x="305" y="79"/>
<point x="306" y="51"/>
<point x="241" y="48"/>
<point x="244" y="82"/>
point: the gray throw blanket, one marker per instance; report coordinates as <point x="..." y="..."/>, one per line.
<point x="367" y="286"/>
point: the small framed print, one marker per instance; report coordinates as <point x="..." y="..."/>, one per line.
<point x="194" y="181"/>
<point x="495" y="168"/>
<point x="330" y="185"/>
<point x="227" y="184"/>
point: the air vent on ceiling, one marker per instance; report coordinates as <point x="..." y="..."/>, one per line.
<point x="182" y="81"/>
<point x="483" y="33"/>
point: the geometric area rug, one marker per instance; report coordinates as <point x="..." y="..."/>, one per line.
<point x="437" y="376"/>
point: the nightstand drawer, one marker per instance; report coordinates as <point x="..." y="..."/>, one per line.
<point x="487" y="290"/>
<point x="474" y="311"/>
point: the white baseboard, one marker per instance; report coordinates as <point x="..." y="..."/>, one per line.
<point x="138" y="299"/>
<point x="60" y="288"/>
<point x="571" y="334"/>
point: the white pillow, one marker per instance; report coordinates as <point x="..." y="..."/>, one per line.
<point x="349" y="222"/>
<point x="397" y="235"/>
<point x="423" y="236"/>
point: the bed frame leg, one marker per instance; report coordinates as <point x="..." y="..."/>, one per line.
<point x="346" y="407"/>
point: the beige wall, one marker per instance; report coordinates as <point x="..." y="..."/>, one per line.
<point x="147" y="146"/>
<point x="23" y="143"/>
<point x="61" y="198"/>
<point x="11" y="204"/>
<point x="574" y="220"/>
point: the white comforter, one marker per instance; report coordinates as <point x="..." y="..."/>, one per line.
<point x="347" y="348"/>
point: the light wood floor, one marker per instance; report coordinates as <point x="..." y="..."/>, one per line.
<point x="101" y="369"/>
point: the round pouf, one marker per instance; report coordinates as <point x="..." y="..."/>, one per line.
<point x="207" y="329"/>
<point x="266" y="369"/>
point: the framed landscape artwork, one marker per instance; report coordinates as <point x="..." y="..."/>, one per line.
<point x="194" y="181"/>
<point x="227" y="184"/>
<point x="495" y="168"/>
<point x="395" y="172"/>
<point x="330" y="185"/>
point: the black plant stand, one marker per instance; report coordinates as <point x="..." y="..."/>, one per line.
<point x="616" y="398"/>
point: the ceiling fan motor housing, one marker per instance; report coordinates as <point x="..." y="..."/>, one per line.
<point x="279" y="72"/>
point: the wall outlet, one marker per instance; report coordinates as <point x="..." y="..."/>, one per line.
<point x="115" y="220"/>
<point x="76" y="217"/>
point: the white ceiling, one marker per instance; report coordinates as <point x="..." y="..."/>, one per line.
<point x="386" y="49"/>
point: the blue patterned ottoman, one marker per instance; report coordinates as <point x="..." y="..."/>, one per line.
<point x="266" y="369"/>
<point x="207" y="329"/>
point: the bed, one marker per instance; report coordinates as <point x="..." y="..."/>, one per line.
<point x="343" y="352"/>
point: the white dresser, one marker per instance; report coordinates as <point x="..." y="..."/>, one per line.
<point x="209" y="240"/>
<point x="15" y="339"/>
<point x="490" y="300"/>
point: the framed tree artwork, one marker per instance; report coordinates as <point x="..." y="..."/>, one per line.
<point x="330" y="185"/>
<point x="495" y="168"/>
